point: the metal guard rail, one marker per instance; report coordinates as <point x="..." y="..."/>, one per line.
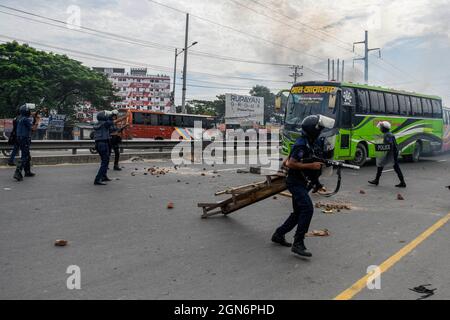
<point x="126" y="144"/>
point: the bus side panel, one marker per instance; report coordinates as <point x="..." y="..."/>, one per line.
<point x="446" y="134"/>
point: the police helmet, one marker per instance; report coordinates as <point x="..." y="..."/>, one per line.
<point x="103" y="115"/>
<point x="25" y="109"/>
<point x="115" y="112"/>
<point x="313" y="125"/>
<point x="384" y="126"/>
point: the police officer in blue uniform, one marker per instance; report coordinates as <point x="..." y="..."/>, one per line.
<point x="25" y="125"/>
<point x="302" y="178"/>
<point x="102" y="136"/>
<point x="390" y="156"/>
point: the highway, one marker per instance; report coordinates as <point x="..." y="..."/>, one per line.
<point x="129" y="245"/>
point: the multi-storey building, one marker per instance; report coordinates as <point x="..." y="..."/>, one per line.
<point x="138" y="90"/>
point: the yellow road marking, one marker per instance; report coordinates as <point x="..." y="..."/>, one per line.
<point x="386" y="265"/>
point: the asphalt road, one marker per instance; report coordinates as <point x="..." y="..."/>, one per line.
<point x="128" y="245"/>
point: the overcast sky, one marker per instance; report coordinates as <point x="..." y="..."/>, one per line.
<point x="414" y="36"/>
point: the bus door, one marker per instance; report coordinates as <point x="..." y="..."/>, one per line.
<point x="347" y="104"/>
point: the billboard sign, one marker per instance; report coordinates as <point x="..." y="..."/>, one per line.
<point x="56" y="123"/>
<point x="243" y="109"/>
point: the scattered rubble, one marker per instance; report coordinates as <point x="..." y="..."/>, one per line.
<point x="330" y="208"/>
<point x="170" y="205"/>
<point x="137" y="159"/>
<point x="319" y="233"/>
<point x="400" y="197"/>
<point x="156" y="171"/>
<point x="61" y="243"/>
<point x="362" y="192"/>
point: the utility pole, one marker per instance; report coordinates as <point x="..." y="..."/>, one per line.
<point x="296" y="74"/>
<point x="174" y="81"/>
<point x="366" y="55"/>
<point x="329" y="67"/>
<point x="183" y="104"/>
<point x="338" y="70"/>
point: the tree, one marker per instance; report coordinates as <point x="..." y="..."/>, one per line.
<point x="214" y="108"/>
<point x="269" y="100"/>
<point x="49" y="80"/>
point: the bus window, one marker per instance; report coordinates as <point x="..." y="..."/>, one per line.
<point x="138" y="118"/>
<point x="165" y="120"/>
<point x="391" y="103"/>
<point x="381" y="102"/>
<point x="437" y="109"/>
<point x="178" y="121"/>
<point x="405" y="107"/>
<point x="416" y="107"/>
<point x="189" y="122"/>
<point x="396" y="105"/>
<point x="427" y="109"/>
<point x="154" y="120"/>
<point x="374" y="105"/>
<point x="363" y="105"/>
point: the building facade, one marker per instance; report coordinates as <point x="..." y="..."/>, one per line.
<point x="138" y="90"/>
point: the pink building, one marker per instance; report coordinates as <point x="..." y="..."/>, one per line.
<point x="139" y="90"/>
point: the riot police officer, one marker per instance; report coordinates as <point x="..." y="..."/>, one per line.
<point x="302" y="178"/>
<point x="102" y="131"/>
<point x="390" y="156"/>
<point x="116" y="138"/>
<point x="25" y="125"/>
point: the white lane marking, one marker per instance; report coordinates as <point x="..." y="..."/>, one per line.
<point x="390" y="170"/>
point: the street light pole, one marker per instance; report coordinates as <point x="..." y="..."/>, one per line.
<point x="183" y="101"/>
<point x="174" y="81"/>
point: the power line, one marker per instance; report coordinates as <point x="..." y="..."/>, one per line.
<point x="241" y="32"/>
<point x="280" y="21"/>
<point x="134" y="41"/>
<point x="272" y="8"/>
<point x="134" y="63"/>
<point x="316" y="29"/>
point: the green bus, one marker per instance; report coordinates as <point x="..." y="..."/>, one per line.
<point x="416" y="119"/>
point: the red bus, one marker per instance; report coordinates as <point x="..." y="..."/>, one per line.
<point x="160" y="126"/>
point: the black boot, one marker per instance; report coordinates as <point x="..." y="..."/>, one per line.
<point x="105" y="178"/>
<point x="99" y="183"/>
<point x="29" y="174"/>
<point x="300" y="249"/>
<point x="401" y="185"/>
<point x="18" y="175"/>
<point x="281" y="240"/>
<point x="117" y="168"/>
<point x="376" y="182"/>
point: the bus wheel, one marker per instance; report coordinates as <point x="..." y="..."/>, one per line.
<point x="415" y="157"/>
<point x="360" y="155"/>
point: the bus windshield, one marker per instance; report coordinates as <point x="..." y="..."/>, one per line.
<point x="302" y="105"/>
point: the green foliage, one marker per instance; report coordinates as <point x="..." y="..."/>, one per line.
<point x="269" y="101"/>
<point x="214" y="108"/>
<point x="49" y="80"/>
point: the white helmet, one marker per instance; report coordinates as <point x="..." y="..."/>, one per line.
<point x="384" y="124"/>
<point x="115" y="112"/>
